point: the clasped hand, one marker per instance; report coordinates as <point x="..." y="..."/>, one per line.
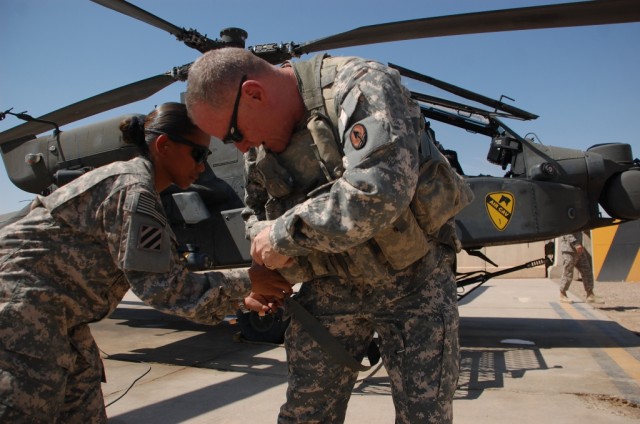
<point x="263" y="252"/>
<point x="268" y="289"/>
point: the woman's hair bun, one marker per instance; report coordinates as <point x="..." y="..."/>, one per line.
<point x="133" y="130"/>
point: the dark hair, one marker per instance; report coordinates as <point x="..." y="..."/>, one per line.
<point x="170" y="118"/>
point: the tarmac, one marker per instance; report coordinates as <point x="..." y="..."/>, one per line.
<point x="526" y="358"/>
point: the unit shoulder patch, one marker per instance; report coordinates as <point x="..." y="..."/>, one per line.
<point x="150" y="237"/>
<point x="358" y="136"/>
<point x="148" y="246"/>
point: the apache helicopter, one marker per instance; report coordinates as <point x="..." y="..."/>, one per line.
<point x="546" y="192"/>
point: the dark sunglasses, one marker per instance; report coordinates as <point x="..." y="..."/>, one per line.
<point x="234" y="135"/>
<point x="199" y="153"/>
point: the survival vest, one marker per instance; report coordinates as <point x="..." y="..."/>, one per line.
<point x="440" y="194"/>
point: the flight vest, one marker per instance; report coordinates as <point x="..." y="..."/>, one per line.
<point x="313" y="160"/>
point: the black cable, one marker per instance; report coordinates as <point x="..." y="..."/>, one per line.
<point x="131" y="385"/>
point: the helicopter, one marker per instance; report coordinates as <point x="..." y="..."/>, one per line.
<point x="546" y="191"/>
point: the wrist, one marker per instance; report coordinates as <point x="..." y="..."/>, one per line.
<point x="242" y="306"/>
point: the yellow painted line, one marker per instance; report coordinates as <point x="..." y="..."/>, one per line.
<point x="626" y="361"/>
<point x="573" y="312"/>
<point x="619" y="355"/>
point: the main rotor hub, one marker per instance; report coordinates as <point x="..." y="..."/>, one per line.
<point x="234" y="37"/>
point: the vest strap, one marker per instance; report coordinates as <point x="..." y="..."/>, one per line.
<point x="321" y="335"/>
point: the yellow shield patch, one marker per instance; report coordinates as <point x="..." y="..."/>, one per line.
<point x="500" y="206"/>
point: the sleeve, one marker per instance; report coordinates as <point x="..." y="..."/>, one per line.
<point x="379" y="136"/>
<point x="145" y="251"/>
<point x="575" y="240"/>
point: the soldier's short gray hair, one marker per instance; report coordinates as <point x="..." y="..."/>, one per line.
<point x="214" y="76"/>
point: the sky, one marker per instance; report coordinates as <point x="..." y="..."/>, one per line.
<point x="582" y="82"/>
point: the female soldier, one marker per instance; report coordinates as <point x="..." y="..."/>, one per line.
<point x="70" y="261"/>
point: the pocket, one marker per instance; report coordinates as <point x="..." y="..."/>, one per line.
<point x="403" y="242"/>
<point x="440" y="195"/>
<point x="450" y="370"/>
<point x="32" y="386"/>
<point x="36" y="330"/>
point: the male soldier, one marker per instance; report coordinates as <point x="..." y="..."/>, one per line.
<point x="333" y="163"/>
<point x="574" y="255"/>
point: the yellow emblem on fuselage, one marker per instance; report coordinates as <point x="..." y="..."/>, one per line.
<point x="500" y="206"/>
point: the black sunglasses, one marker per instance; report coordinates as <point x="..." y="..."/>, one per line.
<point x="199" y="153"/>
<point x="234" y="135"/>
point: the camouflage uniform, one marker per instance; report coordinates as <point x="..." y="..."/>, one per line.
<point x="332" y="226"/>
<point x="68" y="263"/>
<point x="571" y="260"/>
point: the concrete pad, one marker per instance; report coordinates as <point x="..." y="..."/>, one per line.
<point x="526" y="358"/>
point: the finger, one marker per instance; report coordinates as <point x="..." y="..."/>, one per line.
<point x="285" y="286"/>
<point x="275" y="305"/>
<point x="278" y="260"/>
<point x="280" y="289"/>
<point x="254" y="305"/>
<point x="274" y="293"/>
<point x="257" y="257"/>
<point x="288" y="263"/>
<point x="261" y="304"/>
<point x="256" y="270"/>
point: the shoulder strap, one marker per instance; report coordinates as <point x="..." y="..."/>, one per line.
<point x="316" y="78"/>
<point x="88" y="181"/>
<point x="309" y="78"/>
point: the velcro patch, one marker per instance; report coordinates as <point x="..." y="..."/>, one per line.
<point x="146" y="204"/>
<point x="358" y="136"/>
<point x="150" y="237"/>
<point x="150" y="241"/>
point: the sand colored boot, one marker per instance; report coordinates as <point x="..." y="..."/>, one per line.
<point x="592" y="298"/>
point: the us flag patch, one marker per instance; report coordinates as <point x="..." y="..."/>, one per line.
<point x="150" y="237"/>
<point x="147" y="205"/>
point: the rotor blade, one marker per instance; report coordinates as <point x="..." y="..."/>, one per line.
<point x="102" y="102"/>
<point x="585" y="13"/>
<point x="189" y="37"/>
<point x="140" y="14"/>
<point x="450" y="104"/>
<point x="470" y="95"/>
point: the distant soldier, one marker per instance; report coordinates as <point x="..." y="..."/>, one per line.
<point x="70" y="261"/>
<point x="333" y="163"/>
<point x="574" y="255"/>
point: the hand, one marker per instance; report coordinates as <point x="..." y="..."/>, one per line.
<point x="261" y="304"/>
<point x="263" y="252"/>
<point x="268" y="282"/>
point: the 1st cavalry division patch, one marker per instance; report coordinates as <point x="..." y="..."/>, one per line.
<point x="500" y="206"/>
